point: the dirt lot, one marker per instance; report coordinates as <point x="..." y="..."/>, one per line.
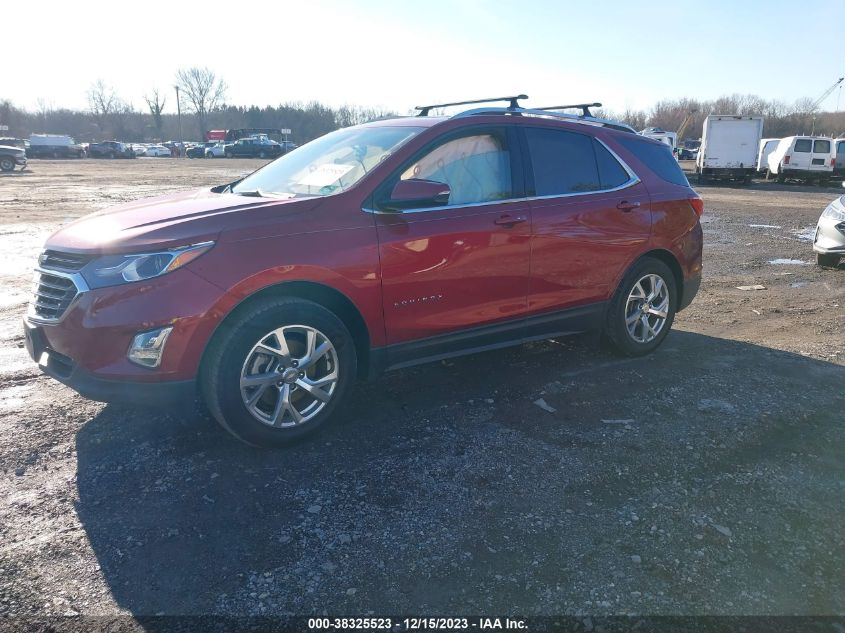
<point x="707" y="478"/>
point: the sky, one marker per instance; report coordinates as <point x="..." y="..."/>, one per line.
<point x="398" y="54"/>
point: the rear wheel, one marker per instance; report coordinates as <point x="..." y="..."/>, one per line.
<point x="642" y="310"/>
<point x="7" y="164"/>
<point x="827" y="261"/>
<point x="278" y="371"/>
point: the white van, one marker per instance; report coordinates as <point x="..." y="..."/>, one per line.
<point x="804" y="157"/>
<point x="658" y="134"/>
<point x="767" y="146"/>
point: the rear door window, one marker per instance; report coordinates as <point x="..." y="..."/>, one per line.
<point x="840" y="148"/>
<point x="657" y="156"/>
<point x="563" y="162"/>
<point x="803" y="145"/>
<point x="821" y="147"/>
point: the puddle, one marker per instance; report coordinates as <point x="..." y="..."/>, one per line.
<point x="789" y="262"/>
<point x="806" y="234"/>
<point x="765" y="226"/>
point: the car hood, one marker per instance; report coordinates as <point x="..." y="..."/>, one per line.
<point x="172" y="220"/>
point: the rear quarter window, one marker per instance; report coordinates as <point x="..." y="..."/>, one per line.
<point x="657" y="157"/>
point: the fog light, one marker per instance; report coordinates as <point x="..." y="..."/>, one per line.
<point x="147" y="347"/>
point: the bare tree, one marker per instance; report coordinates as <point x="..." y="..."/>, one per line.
<point x="204" y="91"/>
<point x="155" y="103"/>
<point x="102" y="99"/>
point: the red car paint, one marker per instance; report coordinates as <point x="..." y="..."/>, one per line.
<point x="409" y="276"/>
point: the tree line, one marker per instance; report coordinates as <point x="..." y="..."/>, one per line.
<point x="202" y="100"/>
<point x="780" y="119"/>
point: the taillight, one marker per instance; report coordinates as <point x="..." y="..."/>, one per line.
<point x="786" y="159"/>
<point x="697" y="205"/>
<point x="833" y="162"/>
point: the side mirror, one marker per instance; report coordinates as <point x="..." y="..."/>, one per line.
<point x="416" y="193"/>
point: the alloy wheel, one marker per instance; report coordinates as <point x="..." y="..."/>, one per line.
<point x="647" y="308"/>
<point x="289" y="376"/>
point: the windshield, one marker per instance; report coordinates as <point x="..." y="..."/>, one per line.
<point x="327" y="165"/>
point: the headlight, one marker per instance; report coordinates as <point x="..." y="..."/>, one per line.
<point x="111" y="270"/>
<point x="835" y="210"/>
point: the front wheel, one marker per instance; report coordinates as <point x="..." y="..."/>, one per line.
<point x="7" y="164"/>
<point x="278" y="371"/>
<point x="642" y="309"/>
<point x="826" y="260"/>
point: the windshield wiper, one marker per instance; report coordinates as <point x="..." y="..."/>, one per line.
<point x="255" y="193"/>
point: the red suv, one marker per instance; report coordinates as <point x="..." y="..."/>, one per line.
<point x="375" y="247"/>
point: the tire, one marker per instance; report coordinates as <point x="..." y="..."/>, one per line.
<point x="228" y="154"/>
<point x="235" y="350"/>
<point x="781" y="177"/>
<point x="7" y="164"/>
<point x="624" y="305"/>
<point x="262" y="155"/>
<point x="827" y="261"/>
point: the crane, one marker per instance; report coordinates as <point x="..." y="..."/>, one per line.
<point x="819" y="101"/>
<point x="685" y="124"/>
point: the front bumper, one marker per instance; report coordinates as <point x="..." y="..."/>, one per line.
<point x="66" y="371"/>
<point x="829" y="238"/>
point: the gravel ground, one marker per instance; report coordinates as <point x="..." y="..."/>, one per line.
<point x="707" y="478"/>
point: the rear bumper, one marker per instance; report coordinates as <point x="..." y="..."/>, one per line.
<point x="66" y="371"/>
<point x="690" y="289"/>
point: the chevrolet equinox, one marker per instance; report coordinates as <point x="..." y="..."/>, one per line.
<point x="375" y="247"/>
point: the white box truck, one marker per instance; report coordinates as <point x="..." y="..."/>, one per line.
<point x="729" y="147"/>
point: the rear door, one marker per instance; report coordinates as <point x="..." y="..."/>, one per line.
<point x="801" y="154"/>
<point x="590" y="214"/>
<point x="840" y="157"/>
<point x="820" y="160"/>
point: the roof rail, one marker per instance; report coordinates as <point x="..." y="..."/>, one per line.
<point x="575" y="118"/>
<point x="424" y="110"/>
<point x="584" y="107"/>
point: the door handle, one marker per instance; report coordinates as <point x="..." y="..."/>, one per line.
<point x="627" y="206"/>
<point x="508" y="221"/>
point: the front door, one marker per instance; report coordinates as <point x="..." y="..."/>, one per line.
<point x="590" y="214"/>
<point x="463" y="264"/>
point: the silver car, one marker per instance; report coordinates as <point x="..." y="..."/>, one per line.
<point x="829" y="240"/>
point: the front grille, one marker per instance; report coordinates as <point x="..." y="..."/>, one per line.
<point x="56" y="260"/>
<point x="53" y="295"/>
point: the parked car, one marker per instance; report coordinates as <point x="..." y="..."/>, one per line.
<point x="15" y="142"/>
<point x="110" y="149"/>
<point x="11" y="156"/>
<point x="54" y="146"/>
<point x="288" y="146"/>
<point x="157" y="151"/>
<point x="218" y="150"/>
<point x="375" y="247"/>
<point x="685" y="153"/>
<point x="729" y="145"/>
<point x="198" y="150"/>
<point x="838" y="156"/>
<point x="829" y="238"/>
<point x="140" y="150"/>
<point x="253" y="147"/>
<point x="659" y="134"/>
<point x="767" y="146"/>
<point x="804" y="158"/>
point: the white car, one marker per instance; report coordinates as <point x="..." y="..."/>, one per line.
<point x="215" y="151"/>
<point x="140" y="150"/>
<point x="157" y="150"/>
